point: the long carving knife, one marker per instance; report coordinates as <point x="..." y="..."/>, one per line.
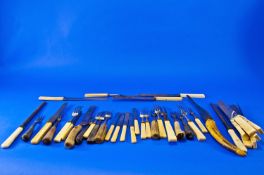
<point x="235" y="117"/>
<point x="229" y="128"/>
<point x="214" y="131"/>
<point x="15" y="134"/>
<point x="37" y="138"/>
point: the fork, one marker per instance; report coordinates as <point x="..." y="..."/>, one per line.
<point x="27" y="135"/>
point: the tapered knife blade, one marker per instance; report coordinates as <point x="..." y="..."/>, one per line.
<point x="229" y="112"/>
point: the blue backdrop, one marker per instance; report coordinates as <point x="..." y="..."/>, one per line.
<point x="72" y="47"/>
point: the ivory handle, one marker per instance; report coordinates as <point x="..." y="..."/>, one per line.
<point x="58" y="137"/>
<point x="162" y="131"/>
<point x="123" y="133"/>
<point x="96" y="95"/>
<point x="154" y="130"/>
<point x="137" y="131"/>
<point x="201" y="125"/>
<point x="47" y="139"/>
<point x="200" y="136"/>
<point x="245" y="125"/>
<point x="88" y="131"/>
<point x="37" y="138"/>
<point x="109" y="133"/>
<point x="133" y="135"/>
<point x="168" y="98"/>
<point x="171" y="135"/>
<point x="236" y="140"/>
<point x="46" y="98"/>
<point x="148" y="131"/>
<point x="115" y="135"/>
<point x="11" y="138"/>
<point x="193" y="95"/>
<point x="99" y="137"/>
<point x="178" y="131"/>
<point x="254" y="125"/>
<point x="245" y="138"/>
<point x="143" y="131"/>
<point x="70" y="141"/>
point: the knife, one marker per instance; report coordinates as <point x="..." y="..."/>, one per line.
<point x="132" y="129"/>
<point x="124" y="128"/>
<point x="112" y="127"/>
<point x="37" y="138"/>
<point x="7" y="143"/>
<point x="117" y="128"/>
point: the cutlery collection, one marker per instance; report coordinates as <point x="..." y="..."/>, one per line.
<point x="104" y="126"/>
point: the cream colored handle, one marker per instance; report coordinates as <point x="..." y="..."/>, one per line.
<point x="193" y="95"/>
<point x="96" y="95"/>
<point x="177" y="127"/>
<point x="137" y="130"/>
<point x="88" y="131"/>
<point x="133" y="135"/>
<point x="236" y="140"/>
<point x="171" y="135"/>
<point x="37" y="138"/>
<point x="168" y="98"/>
<point x="70" y="140"/>
<point x="200" y="136"/>
<point x="245" y="125"/>
<point x="148" y="130"/>
<point x="143" y="131"/>
<point x="123" y="133"/>
<point x="11" y="138"/>
<point x="109" y="133"/>
<point x="254" y="142"/>
<point x="254" y="125"/>
<point x="201" y="125"/>
<point x="115" y="135"/>
<point x="47" y="98"/>
<point x="62" y="132"/>
<point x="67" y="132"/>
<point x="245" y="138"/>
<point x="161" y="129"/>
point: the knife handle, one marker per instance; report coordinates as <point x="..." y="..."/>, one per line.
<point x="188" y="132"/>
<point x="115" y="135"/>
<point x="137" y="131"/>
<point x="27" y="135"/>
<point x="148" y="130"/>
<point x="11" y="138"/>
<point x="37" y="138"/>
<point x="200" y="136"/>
<point x="91" y="137"/>
<point x="100" y="134"/>
<point x="178" y="131"/>
<point x="161" y="129"/>
<point x="133" y="135"/>
<point x="70" y="141"/>
<point x="171" y="135"/>
<point x="154" y="130"/>
<point x="254" y="125"/>
<point x="236" y="140"/>
<point x="88" y="131"/>
<point x="123" y="133"/>
<point x="64" y="132"/>
<point x="201" y="125"/>
<point x="143" y="131"/>
<point x="79" y="137"/>
<point x="245" y="125"/>
<point x="245" y="138"/>
<point x="47" y="139"/>
<point x="168" y="98"/>
<point x="109" y="133"/>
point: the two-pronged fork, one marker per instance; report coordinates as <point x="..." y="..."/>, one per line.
<point x="27" y="135"/>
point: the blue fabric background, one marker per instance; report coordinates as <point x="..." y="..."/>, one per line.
<point x="72" y="47"/>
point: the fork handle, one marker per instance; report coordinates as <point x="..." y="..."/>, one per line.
<point x="162" y="131"/>
<point x="154" y="130"/>
<point x="70" y="141"/>
<point x="91" y="137"/>
<point x="80" y="136"/>
<point x="99" y="137"/>
<point x="137" y="130"/>
<point x="27" y="135"/>
<point x="49" y="136"/>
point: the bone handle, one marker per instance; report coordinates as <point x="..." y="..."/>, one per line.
<point x="193" y="95"/>
<point x="137" y="131"/>
<point x="70" y="141"/>
<point x="109" y="133"/>
<point x="171" y="135"/>
<point x="99" y="137"/>
<point x="178" y="131"/>
<point x="154" y="130"/>
<point x="123" y="133"/>
<point x="245" y="138"/>
<point x="47" y="139"/>
<point x="143" y="130"/>
<point x="89" y="130"/>
<point x="46" y="98"/>
<point x="162" y="131"/>
<point x="168" y="98"/>
<point x="254" y="125"/>
<point x="115" y="135"/>
<point x="96" y="95"/>
<point x="148" y="130"/>
<point x="11" y="138"/>
<point x="37" y="138"/>
<point x="200" y="136"/>
<point x="133" y="135"/>
<point x="245" y="125"/>
<point x="236" y="140"/>
<point x="62" y="133"/>
<point x="201" y="125"/>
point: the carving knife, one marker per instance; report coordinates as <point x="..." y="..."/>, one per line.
<point x="214" y="131"/>
<point x="37" y="138"/>
<point x="15" y="134"/>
